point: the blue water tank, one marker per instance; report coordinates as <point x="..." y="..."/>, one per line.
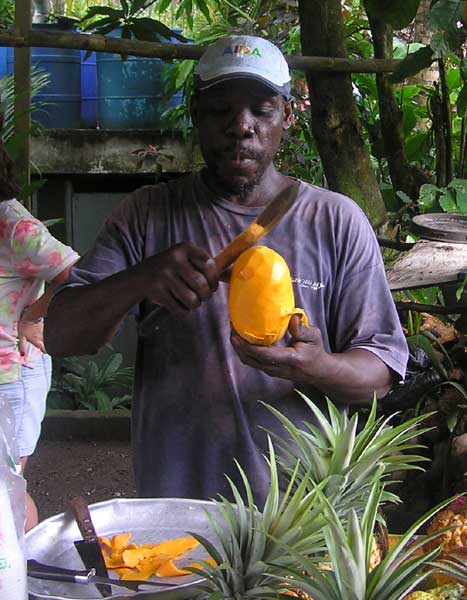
<point x="88" y="90"/>
<point x="130" y="92"/>
<point x="3" y="69"/>
<point x="61" y="98"/>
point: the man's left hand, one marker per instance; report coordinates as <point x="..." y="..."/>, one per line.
<point x="301" y="361"/>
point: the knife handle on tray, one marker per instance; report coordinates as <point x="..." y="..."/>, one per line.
<point x="83" y="518"/>
<point x="40" y="571"/>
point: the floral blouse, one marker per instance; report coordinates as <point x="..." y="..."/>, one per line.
<point x="29" y="256"/>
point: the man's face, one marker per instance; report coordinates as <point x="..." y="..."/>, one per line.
<point x="240" y="126"/>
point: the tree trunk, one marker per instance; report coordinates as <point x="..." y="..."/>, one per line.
<point x="423" y="35"/>
<point x="404" y="177"/>
<point x="335" y="123"/>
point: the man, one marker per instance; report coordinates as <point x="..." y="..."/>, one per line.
<point x="197" y="385"/>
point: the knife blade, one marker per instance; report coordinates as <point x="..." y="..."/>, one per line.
<point x="261" y="226"/>
<point x="51" y="573"/>
<point x="89" y="548"/>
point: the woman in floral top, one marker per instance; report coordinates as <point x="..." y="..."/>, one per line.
<point x="29" y="256"/>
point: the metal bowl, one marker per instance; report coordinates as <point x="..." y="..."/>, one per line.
<point x="441" y="227"/>
<point x="150" y="521"/>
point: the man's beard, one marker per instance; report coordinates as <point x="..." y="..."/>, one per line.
<point x="241" y="187"/>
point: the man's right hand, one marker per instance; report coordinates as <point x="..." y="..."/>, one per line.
<point x="180" y="278"/>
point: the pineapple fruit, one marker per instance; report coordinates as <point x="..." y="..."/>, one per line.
<point x="444" y="592"/>
<point x="455" y="515"/>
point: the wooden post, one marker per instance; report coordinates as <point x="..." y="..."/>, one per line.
<point x="23" y="98"/>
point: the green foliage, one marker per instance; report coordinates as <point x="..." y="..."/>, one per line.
<point x="446" y="20"/>
<point x="187" y="8"/>
<point x="13" y="141"/>
<point x="7" y="12"/>
<point x="97" y="387"/>
<point x="132" y="20"/>
<point x="413" y="64"/>
<point x="450" y="199"/>
<point x="39" y="80"/>
<point x="397" y="13"/>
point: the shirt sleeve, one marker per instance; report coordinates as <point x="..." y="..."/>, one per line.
<point x="363" y="313"/>
<point x="36" y="253"/>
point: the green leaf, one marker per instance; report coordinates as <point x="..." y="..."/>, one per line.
<point x="413" y="64"/>
<point x="94" y="11"/>
<point x="461" y="103"/>
<point x="452" y="419"/>
<point x="184" y="72"/>
<point x="163" y="5"/>
<point x="428" y="196"/>
<point x="445" y="14"/>
<point x="203" y="7"/>
<point x="151" y="29"/>
<point x="112" y="365"/>
<point x="100" y="23"/>
<point x="125" y="7"/>
<point x="102" y="400"/>
<point x="51" y="222"/>
<point x="447" y="201"/>
<point x="417" y="145"/>
<point x="460" y="289"/>
<point x="397" y="13"/>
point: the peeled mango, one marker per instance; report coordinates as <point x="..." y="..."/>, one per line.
<point x="261" y="298"/>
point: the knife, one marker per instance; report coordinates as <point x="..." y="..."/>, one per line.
<point x="89" y="548"/>
<point x="52" y="573"/>
<point x="261" y="226"/>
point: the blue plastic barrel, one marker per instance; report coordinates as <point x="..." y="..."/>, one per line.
<point x="131" y="92"/>
<point x="3" y="68"/>
<point x="61" y="98"/>
<point x="88" y="90"/>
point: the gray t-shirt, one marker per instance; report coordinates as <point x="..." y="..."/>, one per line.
<point x="195" y="406"/>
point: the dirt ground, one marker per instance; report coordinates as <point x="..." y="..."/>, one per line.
<point x="59" y="470"/>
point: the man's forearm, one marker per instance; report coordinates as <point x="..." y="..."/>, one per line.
<point x="81" y="319"/>
<point x="354" y="377"/>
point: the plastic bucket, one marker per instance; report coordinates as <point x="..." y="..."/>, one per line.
<point x="131" y="92"/>
<point x="62" y="96"/>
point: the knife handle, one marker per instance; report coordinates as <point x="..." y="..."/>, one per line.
<point x="224" y="259"/>
<point x="242" y="242"/>
<point x="82" y="515"/>
<point x="41" y="571"/>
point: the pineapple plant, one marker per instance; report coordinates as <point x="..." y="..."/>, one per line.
<point x="316" y="540"/>
<point x="248" y="551"/>
<point x="348" y="546"/>
<point x="346" y="460"/>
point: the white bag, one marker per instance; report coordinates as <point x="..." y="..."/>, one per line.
<point x="13" y="579"/>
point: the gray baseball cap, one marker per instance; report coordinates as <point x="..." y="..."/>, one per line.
<point x="243" y="56"/>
